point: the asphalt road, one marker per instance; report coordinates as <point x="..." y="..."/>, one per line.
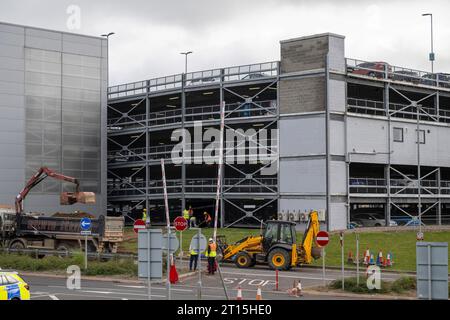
<point x="52" y="288"/>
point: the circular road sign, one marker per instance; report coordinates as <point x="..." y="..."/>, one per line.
<point x="180" y="223"/>
<point x="419" y="236"/>
<point x="195" y="242"/>
<point x="138" y="224"/>
<point x="322" y="238"/>
<point x="85" y="224"/>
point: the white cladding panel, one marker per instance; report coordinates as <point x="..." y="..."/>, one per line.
<point x="337" y="138"/>
<point x="338" y="216"/>
<point x="303" y="176"/>
<point x="371" y="135"/>
<point x="338" y="177"/>
<point x="302" y="136"/>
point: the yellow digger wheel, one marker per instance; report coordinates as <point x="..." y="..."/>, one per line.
<point x="279" y="259"/>
<point x="243" y="260"/>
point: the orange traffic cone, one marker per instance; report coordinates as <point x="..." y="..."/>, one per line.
<point x="384" y="263"/>
<point x="350" y="257"/>
<point x="258" y="294"/>
<point x="388" y="258"/>
<point x="366" y="257"/>
<point x="239" y="294"/>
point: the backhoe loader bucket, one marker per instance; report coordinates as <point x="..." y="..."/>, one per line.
<point x="316" y="252"/>
<point x="68" y="198"/>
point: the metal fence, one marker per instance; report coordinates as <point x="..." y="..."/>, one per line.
<point x="250" y="72"/>
<point x="383" y="70"/>
<point x="398" y="186"/>
<point x="397" y="110"/>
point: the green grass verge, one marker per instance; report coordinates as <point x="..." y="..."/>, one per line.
<point x="400" y="286"/>
<point x="52" y="263"/>
<point x="402" y="245"/>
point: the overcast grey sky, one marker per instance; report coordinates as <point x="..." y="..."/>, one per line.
<point x="151" y="33"/>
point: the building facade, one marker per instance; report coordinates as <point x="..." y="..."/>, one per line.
<point x="340" y="134"/>
<point x="52" y="113"/>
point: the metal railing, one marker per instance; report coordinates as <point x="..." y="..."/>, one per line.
<point x="382" y="70"/>
<point x="397" y="186"/>
<point x="397" y="110"/>
<point x="265" y="148"/>
<point x="251" y="72"/>
<point x="238" y="185"/>
<point x="210" y="112"/>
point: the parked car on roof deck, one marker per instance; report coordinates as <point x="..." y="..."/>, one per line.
<point x="371" y="69"/>
<point x="430" y="79"/>
<point x="406" y="75"/>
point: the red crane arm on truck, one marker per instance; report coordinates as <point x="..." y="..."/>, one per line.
<point x="43" y="173"/>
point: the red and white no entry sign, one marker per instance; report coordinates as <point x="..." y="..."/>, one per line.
<point x="322" y="238"/>
<point x="180" y="223"/>
<point x="138" y="224"/>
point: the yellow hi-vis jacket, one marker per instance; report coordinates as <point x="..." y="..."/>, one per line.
<point x="144" y="215"/>
<point x="186" y="214"/>
<point x="193" y="252"/>
<point x="212" y="250"/>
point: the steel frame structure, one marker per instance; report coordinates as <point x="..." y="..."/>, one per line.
<point x="140" y="127"/>
<point x="393" y="196"/>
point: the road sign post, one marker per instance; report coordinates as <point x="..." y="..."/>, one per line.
<point x="85" y="225"/>
<point x="150" y="256"/>
<point x="341" y="238"/>
<point x="357" y="259"/>
<point x="139" y="224"/>
<point x="322" y="240"/>
<point x="180" y="224"/>
<point x="198" y="243"/>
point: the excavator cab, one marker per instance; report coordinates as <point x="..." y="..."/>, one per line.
<point x="277" y="232"/>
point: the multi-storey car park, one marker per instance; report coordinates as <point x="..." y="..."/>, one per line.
<point x="346" y="143"/>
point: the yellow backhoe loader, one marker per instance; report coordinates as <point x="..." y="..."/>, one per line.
<point x="277" y="246"/>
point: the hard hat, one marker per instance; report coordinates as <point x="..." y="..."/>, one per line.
<point x="145" y="209"/>
<point x="211" y="240"/>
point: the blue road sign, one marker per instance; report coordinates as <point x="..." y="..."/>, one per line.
<point x="85" y="224"/>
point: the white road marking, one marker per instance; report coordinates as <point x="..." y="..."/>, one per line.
<point x="53" y="297"/>
<point x="133" y="287"/>
<point x="99" y="292"/>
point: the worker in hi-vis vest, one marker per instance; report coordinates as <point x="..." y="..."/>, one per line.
<point x="211" y="253"/>
<point x="207" y="219"/>
<point x="192" y="220"/>
<point x="186" y="214"/>
<point x="145" y="217"/>
<point x="194" y="258"/>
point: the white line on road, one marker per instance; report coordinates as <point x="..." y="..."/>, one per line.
<point x="53" y="297"/>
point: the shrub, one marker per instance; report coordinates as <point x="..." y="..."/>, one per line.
<point x="404" y="284"/>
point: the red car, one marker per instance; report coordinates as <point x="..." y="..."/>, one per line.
<point x="371" y="69"/>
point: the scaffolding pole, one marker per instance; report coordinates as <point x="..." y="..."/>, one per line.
<point x="220" y="169"/>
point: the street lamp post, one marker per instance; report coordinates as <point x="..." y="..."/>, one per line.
<point x="186" y="56"/>
<point x="431" y="57"/>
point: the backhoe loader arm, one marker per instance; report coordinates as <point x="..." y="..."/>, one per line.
<point x="246" y="244"/>
<point x="309" y="237"/>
